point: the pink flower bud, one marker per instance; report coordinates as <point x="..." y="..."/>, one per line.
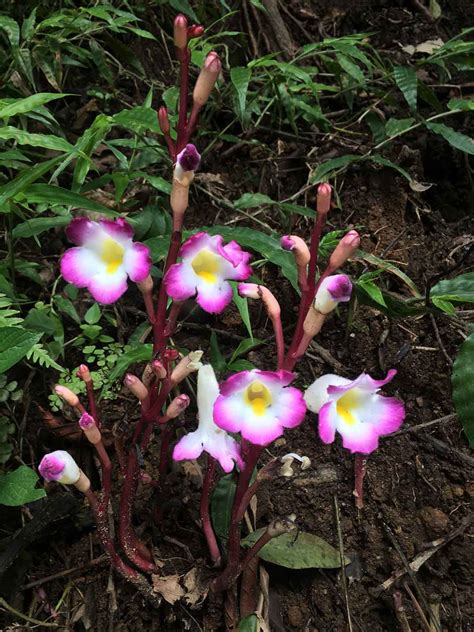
<point x="299" y="248"/>
<point x="252" y="290"/>
<point x="207" y="78"/>
<point x="84" y="374"/>
<point x="136" y="386"/>
<point x="323" y="202"/>
<point x="189" y="364"/>
<point x="344" y="249"/>
<point x="59" y="466"/>
<point x="180" y="32"/>
<point x="177" y="406"/>
<point x="189" y="158"/>
<point x="163" y="120"/>
<point x="249" y="290"/>
<point x="90" y="429"/>
<point x="67" y="395"/>
<point x="158" y="369"/>
<point x="195" y="30"/>
<point x="170" y="355"/>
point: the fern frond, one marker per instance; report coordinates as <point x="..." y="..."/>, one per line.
<point x="40" y="355"/>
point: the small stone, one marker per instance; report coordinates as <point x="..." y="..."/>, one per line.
<point x="434" y="519"/>
<point x="470" y="488"/>
<point x="420" y="402"/>
<point x="279" y="443"/>
<point x="457" y="490"/>
<point x="295" y="617"/>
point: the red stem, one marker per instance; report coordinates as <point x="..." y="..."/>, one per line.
<point x="184" y="57"/>
<point x="92" y="403"/>
<point x="360" y="470"/>
<point x="280" y="341"/>
<point x="207" y="528"/>
<point x="192" y="122"/>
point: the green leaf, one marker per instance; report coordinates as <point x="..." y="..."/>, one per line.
<point x="24" y="179"/>
<point x="350" y="68"/>
<point x="329" y="166"/>
<point x="20" y="106"/>
<point x="389" y="267"/>
<point x="35" y="140"/>
<point x="461" y="104"/>
<point x="303" y="550"/>
<point x="443" y="305"/>
<point x="240" y="77"/>
<point x="372" y="290"/>
<point x="39" y="225"/>
<point x="221" y="505"/>
<point x="217" y="359"/>
<point x="138" y="119"/>
<point x="139" y="353"/>
<point x="183" y="6"/>
<point x="394" y="126"/>
<point x="460" y="289"/>
<point x="456" y="139"/>
<point x="251" y="200"/>
<point x="15" y="343"/>
<point x="93" y="314"/>
<point x="242" y="305"/>
<point x="28" y="25"/>
<point x="39" y="355"/>
<point x="244" y="347"/>
<point x="11" y="28"/>
<point x="297" y="209"/>
<point x="435" y="9"/>
<point x="18" y="487"/>
<point x="463" y="387"/>
<point x="380" y="160"/>
<point x="407" y="82"/>
<point x="249" y="623"/>
<point x="51" y="194"/>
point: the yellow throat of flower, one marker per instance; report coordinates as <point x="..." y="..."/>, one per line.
<point x="206" y="265"/>
<point x="112" y="254"/>
<point x="258" y="396"/>
<point x="345" y="406"/>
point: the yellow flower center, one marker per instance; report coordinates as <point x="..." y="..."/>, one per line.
<point x="258" y="396"/>
<point x="206" y="265"/>
<point x="112" y="254"/>
<point x="344" y="405"/>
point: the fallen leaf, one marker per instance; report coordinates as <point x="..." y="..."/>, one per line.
<point x="196" y="589"/>
<point x="193" y="472"/>
<point x="427" y="47"/>
<point x="168" y="587"/>
<point x="420" y="186"/>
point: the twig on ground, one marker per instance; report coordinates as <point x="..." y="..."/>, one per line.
<point x="103" y="559"/>
<point x="326" y="356"/>
<point x="426" y="424"/>
<point x="343" y="572"/>
<point x="440" y="342"/>
<point x="447" y="450"/>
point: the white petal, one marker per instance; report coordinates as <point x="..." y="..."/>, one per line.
<point x="316" y="395"/>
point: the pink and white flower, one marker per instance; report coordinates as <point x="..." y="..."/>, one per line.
<point x="208" y="437"/>
<point x="59" y="466"/>
<point x="206" y="267"/>
<point x="334" y="289"/>
<point x="104" y="257"/>
<point x="355" y="410"/>
<point x="259" y="405"/>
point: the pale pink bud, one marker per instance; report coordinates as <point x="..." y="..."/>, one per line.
<point x="298" y="247"/>
<point x="67" y="395"/>
<point x="146" y="286"/>
<point x="179" y="198"/>
<point x="180" y="32"/>
<point x="163" y="120"/>
<point x="189" y="364"/>
<point x="177" y="406"/>
<point x="206" y="79"/>
<point x="136" y="386"/>
<point x="252" y="290"/>
<point x="158" y="369"/>
<point x="344" y="249"/>
<point x="323" y="201"/>
<point x="84" y="374"/>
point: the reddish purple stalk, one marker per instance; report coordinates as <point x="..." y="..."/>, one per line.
<point x="360" y="470"/>
<point x="207" y="527"/>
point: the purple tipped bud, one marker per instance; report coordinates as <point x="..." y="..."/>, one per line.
<point x="195" y="30"/>
<point x="163" y="120"/>
<point x="189" y="158"/>
<point x="177" y="406"/>
<point x="344" y="249"/>
<point x="287" y="243"/>
<point x="59" y="466"/>
<point x="180" y="32"/>
<point x="87" y="421"/>
<point x="334" y="289"/>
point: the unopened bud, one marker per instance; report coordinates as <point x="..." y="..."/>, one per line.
<point x="206" y="79"/>
<point x="136" y="386"/>
<point x="61" y="467"/>
<point x="180" y="32"/>
<point x="158" y="369"/>
<point x="313" y="322"/>
<point x="179" y="198"/>
<point x="170" y="355"/>
<point x="163" y="120"/>
<point x="84" y="374"/>
<point x="188" y="159"/>
<point x="298" y="247"/>
<point x="344" y="249"/>
<point x="67" y="395"/>
<point x="177" y="406"/>
<point x="334" y="289"/>
<point x="323" y="200"/>
<point x="90" y="429"/>
<point x="195" y="30"/>
<point x="252" y="290"/>
<point x="189" y="364"/>
<point x="146" y="286"/>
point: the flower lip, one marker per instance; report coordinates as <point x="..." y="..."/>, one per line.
<point x="259" y="405"/>
<point x="334" y="289"/>
<point x="189" y="158"/>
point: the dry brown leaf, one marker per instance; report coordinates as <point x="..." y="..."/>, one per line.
<point x="196" y="589"/>
<point x="427" y="47"/>
<point x="168" y="587"/>
<point x="193" y="472"/>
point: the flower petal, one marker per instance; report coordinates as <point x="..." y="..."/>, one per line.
<point x="137" y="262"/>
<point x="180" y="282"/>
<point x="189" y="447"/>
<point x="316" y="395"/>
<point x="81" y="229"/>
<point x="194" y="244"/>
<point x="108" y="288"/>
<point x="224" y="449"/>
<point x="79" y="266"/>
<point x="327" y="422"/>
<point x="364" y="382"/>
<point x="214" y="297"/>
<point x="290" y="408"/>
<point x="119" y="229"/>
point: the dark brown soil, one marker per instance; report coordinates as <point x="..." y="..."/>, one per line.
<point x="419" y="484"/>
